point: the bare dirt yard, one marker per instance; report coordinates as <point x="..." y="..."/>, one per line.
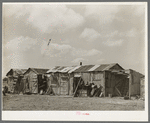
<point x="16" y="102"/>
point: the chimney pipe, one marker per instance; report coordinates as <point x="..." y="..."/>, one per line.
<point x="80" y="63"/>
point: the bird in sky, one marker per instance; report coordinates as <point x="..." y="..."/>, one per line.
<point x="49" y="42"/>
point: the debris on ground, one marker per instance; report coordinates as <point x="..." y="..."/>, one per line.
<point x="126" y="98"/>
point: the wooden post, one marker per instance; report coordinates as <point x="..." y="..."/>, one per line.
<point x="76" y="88"/>
<point x="130" y="82"/>
<point x="104" y="75"/>
<point x="91" y="77"/>
<point x="69" y="84"/>
<point x="37" y="85"/>
<point x="59" y="86"/>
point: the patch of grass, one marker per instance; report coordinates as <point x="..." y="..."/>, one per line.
<point x="46" y="102"/>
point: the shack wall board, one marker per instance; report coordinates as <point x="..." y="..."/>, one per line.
<point x="20" y="86"/>
<point x="12" y="80"/>
<point x="64" y="83"/>
<point x="11" y="84"/>
<point x="85" y="76"/>
<point x="53" y="80"/>
<point x="33" y="81"/>
<point x="142" y="88"/>
<point x="71" y="84"/>
<point x="116" y="67"/>
<point x="134" y="83"/>
<point x="97" y="78"/>
<point x="115" y="82"/>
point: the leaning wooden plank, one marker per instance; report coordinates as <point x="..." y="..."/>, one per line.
<point x="52" y="90"/>
<point x="118" y="91"/>
<point x="118" y="82"/>
<point x="41" y="86"/>
<point x="76" y="88"/>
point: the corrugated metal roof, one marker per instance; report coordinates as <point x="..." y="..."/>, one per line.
<point x="50" y="70"/>
<point x="66" y="69"/>
<point x="84" y="68"/>
<point x="55" y="69"/>
<point x="18" y="71"/>
<point x="75" y="68"/>
<point x="101" y="67"/>
<point x="62" y="69"/>
<point x="40" y="70"/>
<point x="110" y="66"/>
<point x="104" y="67"/>
<point x="93" y="68"/>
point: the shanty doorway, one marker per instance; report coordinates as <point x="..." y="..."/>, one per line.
<point x="64" y="86"/>
<point x="116" y="84"/>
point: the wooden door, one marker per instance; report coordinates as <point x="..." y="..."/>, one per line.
<point x="33" y="83"/>
<point x="64" y="86"/>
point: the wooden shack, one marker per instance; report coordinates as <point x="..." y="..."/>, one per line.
<point x="112" y="77"/>
<point x="134" y="82"/>
<point x="101" y="75"/>
<point x="35" y="79"/>
<point x="59" y="79"/>
<point x="13" y="75"/>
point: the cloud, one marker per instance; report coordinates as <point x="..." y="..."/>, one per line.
<point x="16" y="60"/>
<point x="105" y="13"/>
<point x="112" y="43"/>
<point x="81" y="52"/>
<point x="131" y="33"/>
<point x="77" y="60"/>
<point x="100" y="60"/>
<point x="13" y="9"/>
<point x="112" y="34"/>
<point x="54" y="49"/>
<point x="89" y="34"/>
<point x="21" y="44"/>
<point x="46" y="17"/>
<point x="93" y="52"/>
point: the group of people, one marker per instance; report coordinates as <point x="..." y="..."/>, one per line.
<point x="94" y="90"/>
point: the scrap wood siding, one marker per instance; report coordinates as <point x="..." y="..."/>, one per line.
<point x="116" y="83"/>
<point x="97" y="75"/>
<point x="59" y="79"/>
<point x="134" y="82"/>
<point x="13" y="83"/>
<point x="35" y="79"/>
<point x="114" y="79"/>
<point x="52" y="81"/>
<point x="103" y="75"/>
<point x="142" y="87"/>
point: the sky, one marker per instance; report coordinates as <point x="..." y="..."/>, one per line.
<point x="88" y="33"/>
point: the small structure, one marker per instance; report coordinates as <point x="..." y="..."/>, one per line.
<point x="35" y="80"/>
<point x="13" y="79"/>
<point x="115" y="80"/>
<point x="134" y="82"/>
<point x="142" y="88"/>
<point x="103" y="75"/>
<point x="68" y="78"/>
<point x="58" y="78"/>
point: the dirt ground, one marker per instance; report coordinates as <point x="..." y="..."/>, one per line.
<point x="16" y="102"/>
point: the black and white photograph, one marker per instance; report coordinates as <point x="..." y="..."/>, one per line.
<point x="75" y="61"/>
